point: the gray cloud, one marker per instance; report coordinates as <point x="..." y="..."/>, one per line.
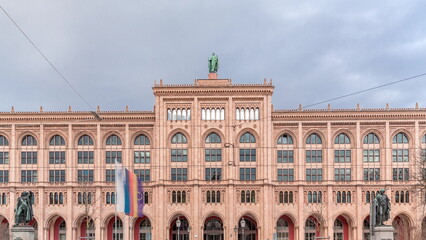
<point x="113" y="51"/>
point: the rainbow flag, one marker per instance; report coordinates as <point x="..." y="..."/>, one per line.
<point x="130" y="197"/>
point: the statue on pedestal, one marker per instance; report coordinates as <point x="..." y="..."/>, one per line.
<point x="24" y="210"/>
<point x="382" y="208"/>
<point x="213" y="63"/>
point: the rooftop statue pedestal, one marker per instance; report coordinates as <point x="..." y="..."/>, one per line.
<point x="384" y="232"/>
<point x="22" y="233"/>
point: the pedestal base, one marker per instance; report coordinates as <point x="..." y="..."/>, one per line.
<point x="383" y="233"/>
<point x="212" y="75"/>
<point x="22" y="233"/>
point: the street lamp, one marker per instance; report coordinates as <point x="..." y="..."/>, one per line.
<point x="243" y="224"/>
<point x="178" y="222"/>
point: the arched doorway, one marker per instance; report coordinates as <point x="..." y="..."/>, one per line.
<point x="312" y="228"/>
<point x="247" y="228"/>
<point x="341" y="228"/>
<point x="87" y="228"/>
<point x="183" y="230"/>
<point x="402" y="228"/>
<point x="57" y="228"/>
<point x="213" y="229"/>
<point x="4" y="228"/>
<point x="142" y="229"/>
<point x="115" y="229"/>
<point x="285" y="228"/>
<point x="366" y="228"/>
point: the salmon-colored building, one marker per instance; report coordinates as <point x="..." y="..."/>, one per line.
<point x="217" y="159"/>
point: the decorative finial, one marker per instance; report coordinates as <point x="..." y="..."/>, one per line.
<point x="161" y="82"/>
<point x="417" y="106"/>
<point x="300" y="107"/>
<point x="98" y="109"/>
<point x="41" y="109"/>
<point x="127" y="108"/>
<point x="270" y="81"/>
<point x="264" y="81"/>
<point x="12" y="110"/>
<point x="329" y="107"/>
<point x="358" y="107"/>
<point x="155" y="82"/>
<point x="387" y="106"/>
<point x="69" y="109"/>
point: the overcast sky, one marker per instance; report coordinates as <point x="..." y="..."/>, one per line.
<point x="112" y="51"/>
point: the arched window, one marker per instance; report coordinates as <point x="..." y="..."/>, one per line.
<point x="51" y="201"/>
<point x="342" y="139"/>
<point x="285" y="197"/>
<point x="400" y="138"/>
<point x="85" y="140"/>
<point x="213" y="138"/>
<point x="108" y="198"/>
<point x="397" y="196"/>
<point x="218" y="196"/>
<point x="242" y="114"/>
<point x="3" y="141"/>
<point x="243" y="196"/>
<point x="29" y="140"/>
<point x="407" y="197"/>
<point x="222" y="114"/>
<point x="56" y="198"/>
<point x="281" y="197"/>
<point x="183" y="196"/>
<point x="57" y="140"/>
<point x="174" y="198"/>
<point x="339" y="197"/>
<point x="401" y="198"/>
<point x="247" y="138"/>
<point x="184" y="115"/>
<point x="208" y="197"/>
<point x="208" y="114"/>
<point x="174" y="114"/>
<point x="113" y="140"/>
<point x="61" y="198"/>
<point x="371" y="138"/>
<point x="142" y="140"/>
<point x="253" y="196"/>
<point x="319" y="197"/>
<point x="367" y="197"/>
<point x="3" y="199"/>
<point x="285" y="139"/>
<point x="247" y="114"/>
<point x="179" y="138"/>
<point x="424" y="139"/>
<point x="349" y="198"/>
<point x="179" y="197"/>
<point x="344" y="197"/>
<point x="338" y="230"/>
<point x="290" y="197"/>
<point x="237" y="114"/>
<point x="313" y="139"/>
<point x="146" y="198"/>
<point x="309" y="197"/>
<point x="251" y="113"/>
<point x="256" y="114"/>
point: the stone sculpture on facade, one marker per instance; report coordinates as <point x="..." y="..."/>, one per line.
<point x="213" y="63"/>
<point x="24" y="210"/>
<point x="382" y="208"/>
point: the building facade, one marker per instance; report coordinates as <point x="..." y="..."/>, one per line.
<point x="216" y="160"/>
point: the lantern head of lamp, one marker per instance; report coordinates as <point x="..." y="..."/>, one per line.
<point x="178" y="222"/>
<point x="243" y="223"/>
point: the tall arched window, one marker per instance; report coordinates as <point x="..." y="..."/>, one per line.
<point x="338" y="230"/>
<point x="371" y="150"/>
<point x="371" y="138"/>
<point x="142" y="140"/>
<point x="57" y="140"/>
<point x="113" y="140"/>
<point x="400" y="138"/>
<point x="213" y="138"/>
<point x="213" y="155"/>
<point x="29" y="140"/>
<point x="85" y="140"/>
<point x="142" y="157"/>
<point x="179" y="138"/>
<point x="247" y="138"/>
<point x="247" y="149"/>
<point x="3" y="141"/>
<point x="342" y="139"/>
<point x="313" y="139"/>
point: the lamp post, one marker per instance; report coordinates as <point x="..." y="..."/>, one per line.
<point x="178" y="222"/>
<point x="243" y="224"/>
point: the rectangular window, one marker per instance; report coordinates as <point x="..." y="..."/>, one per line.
<point x="400" y="155"/>
<point x="144" y="175"/>
<point x="4" y="176"/>
<point x="111" y="156"/>
<point x="213" y="155"/>
<point x="28" y="176"/>
<point x="142" y="157"/>
<point x="341" y="156"/>
<point x="57" y="157"/>
<point x="371" y="155"/>
<point x="179" y="155"/>
<point x="110" y="175"/>
<point x="313" y="156"/>
<point x="285" y="175"/>
<point x="247" y="174"/>
<point x="213" y="174"/>
<point x="400" y="174"/>
<point x="85" y="176"/>
<point x="342" y="174"/>
<point x="29" y="157"/>
<point x="371" y="174"/>
<point x="285" y="156"/>
<point x="248" y="155"/>
<point x="85" y="157"/>
<point x="4" y="157"/>
<point x="179" y="174"/>
<point x="56" y="175"/>
<point x="314" y="175"/>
